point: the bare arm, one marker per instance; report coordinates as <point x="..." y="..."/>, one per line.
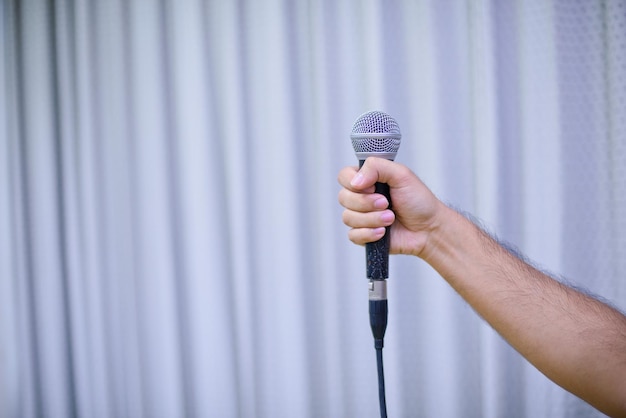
<point x="574" y="339"/>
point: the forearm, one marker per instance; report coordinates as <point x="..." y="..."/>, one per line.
<point x="575" y="340"/>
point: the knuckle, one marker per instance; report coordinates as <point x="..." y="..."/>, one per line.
<point x="355" y="237"/>
<point x="341" y="196"/>
<point x="345" y="217"/>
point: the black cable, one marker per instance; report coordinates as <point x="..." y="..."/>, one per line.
<point x="381" y="383"/>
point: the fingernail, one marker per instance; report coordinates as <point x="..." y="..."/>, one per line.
<point x="380" y="203"/>
<point x="379" y="232"/>
<point x="386" y="216"/>
<point x="357" y="180"/>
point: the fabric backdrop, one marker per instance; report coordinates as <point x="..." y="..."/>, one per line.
<point x="170" y="239"/>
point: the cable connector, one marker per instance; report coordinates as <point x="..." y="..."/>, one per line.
<point x="378" y="290"/>
<point x="378" y="310"/>
<point x="378" y="322"/>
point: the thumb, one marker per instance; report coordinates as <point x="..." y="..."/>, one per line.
<point x="377" y="170"/>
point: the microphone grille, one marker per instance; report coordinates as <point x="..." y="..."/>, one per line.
<point x="376" y="132"/>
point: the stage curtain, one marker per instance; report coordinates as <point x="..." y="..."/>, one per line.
<point x="171" y="243"/>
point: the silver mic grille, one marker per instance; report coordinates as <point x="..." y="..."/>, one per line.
<point x="376" y="134"/>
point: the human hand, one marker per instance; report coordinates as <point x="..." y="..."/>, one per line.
<point x="415" y="208"/>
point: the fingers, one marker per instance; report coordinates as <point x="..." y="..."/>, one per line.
<point x="366" y="214"/>
<point x="361" y="202"/>
<point x="362" y="236"/>
<point x="368" y="219"/>
<point x="346" y="177"/>
<point x="367" y="227"/>
<point x="365" y="211"/>
<point x="373" y="170"/>
<point x="363" y="208"/>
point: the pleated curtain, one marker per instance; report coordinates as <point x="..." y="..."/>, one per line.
<point x="170" y="239"/>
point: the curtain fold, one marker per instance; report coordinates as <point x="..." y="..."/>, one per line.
<point x="171" y="242"/>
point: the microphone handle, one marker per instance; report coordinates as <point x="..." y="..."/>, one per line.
<point x="377" y="252"/>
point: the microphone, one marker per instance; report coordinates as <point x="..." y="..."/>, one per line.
<point x="376" y="134"/>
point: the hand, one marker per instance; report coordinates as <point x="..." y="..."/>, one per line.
<point x="415" y="208"/>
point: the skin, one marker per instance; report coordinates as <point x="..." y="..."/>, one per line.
<point x="574" y="339"/>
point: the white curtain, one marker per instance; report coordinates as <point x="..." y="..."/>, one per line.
<point x="170" y="240"/>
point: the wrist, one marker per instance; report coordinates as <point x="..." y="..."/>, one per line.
<point x="442" y="235"/>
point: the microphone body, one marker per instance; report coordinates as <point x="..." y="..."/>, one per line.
<point x="376" y="134"/>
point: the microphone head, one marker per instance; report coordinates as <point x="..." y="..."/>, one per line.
<point x="375" y="134"/>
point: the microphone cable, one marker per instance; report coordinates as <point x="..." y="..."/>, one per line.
<point x="378" y="311"/>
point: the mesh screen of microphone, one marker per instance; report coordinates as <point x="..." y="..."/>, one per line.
<point x="376" y="134"/>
